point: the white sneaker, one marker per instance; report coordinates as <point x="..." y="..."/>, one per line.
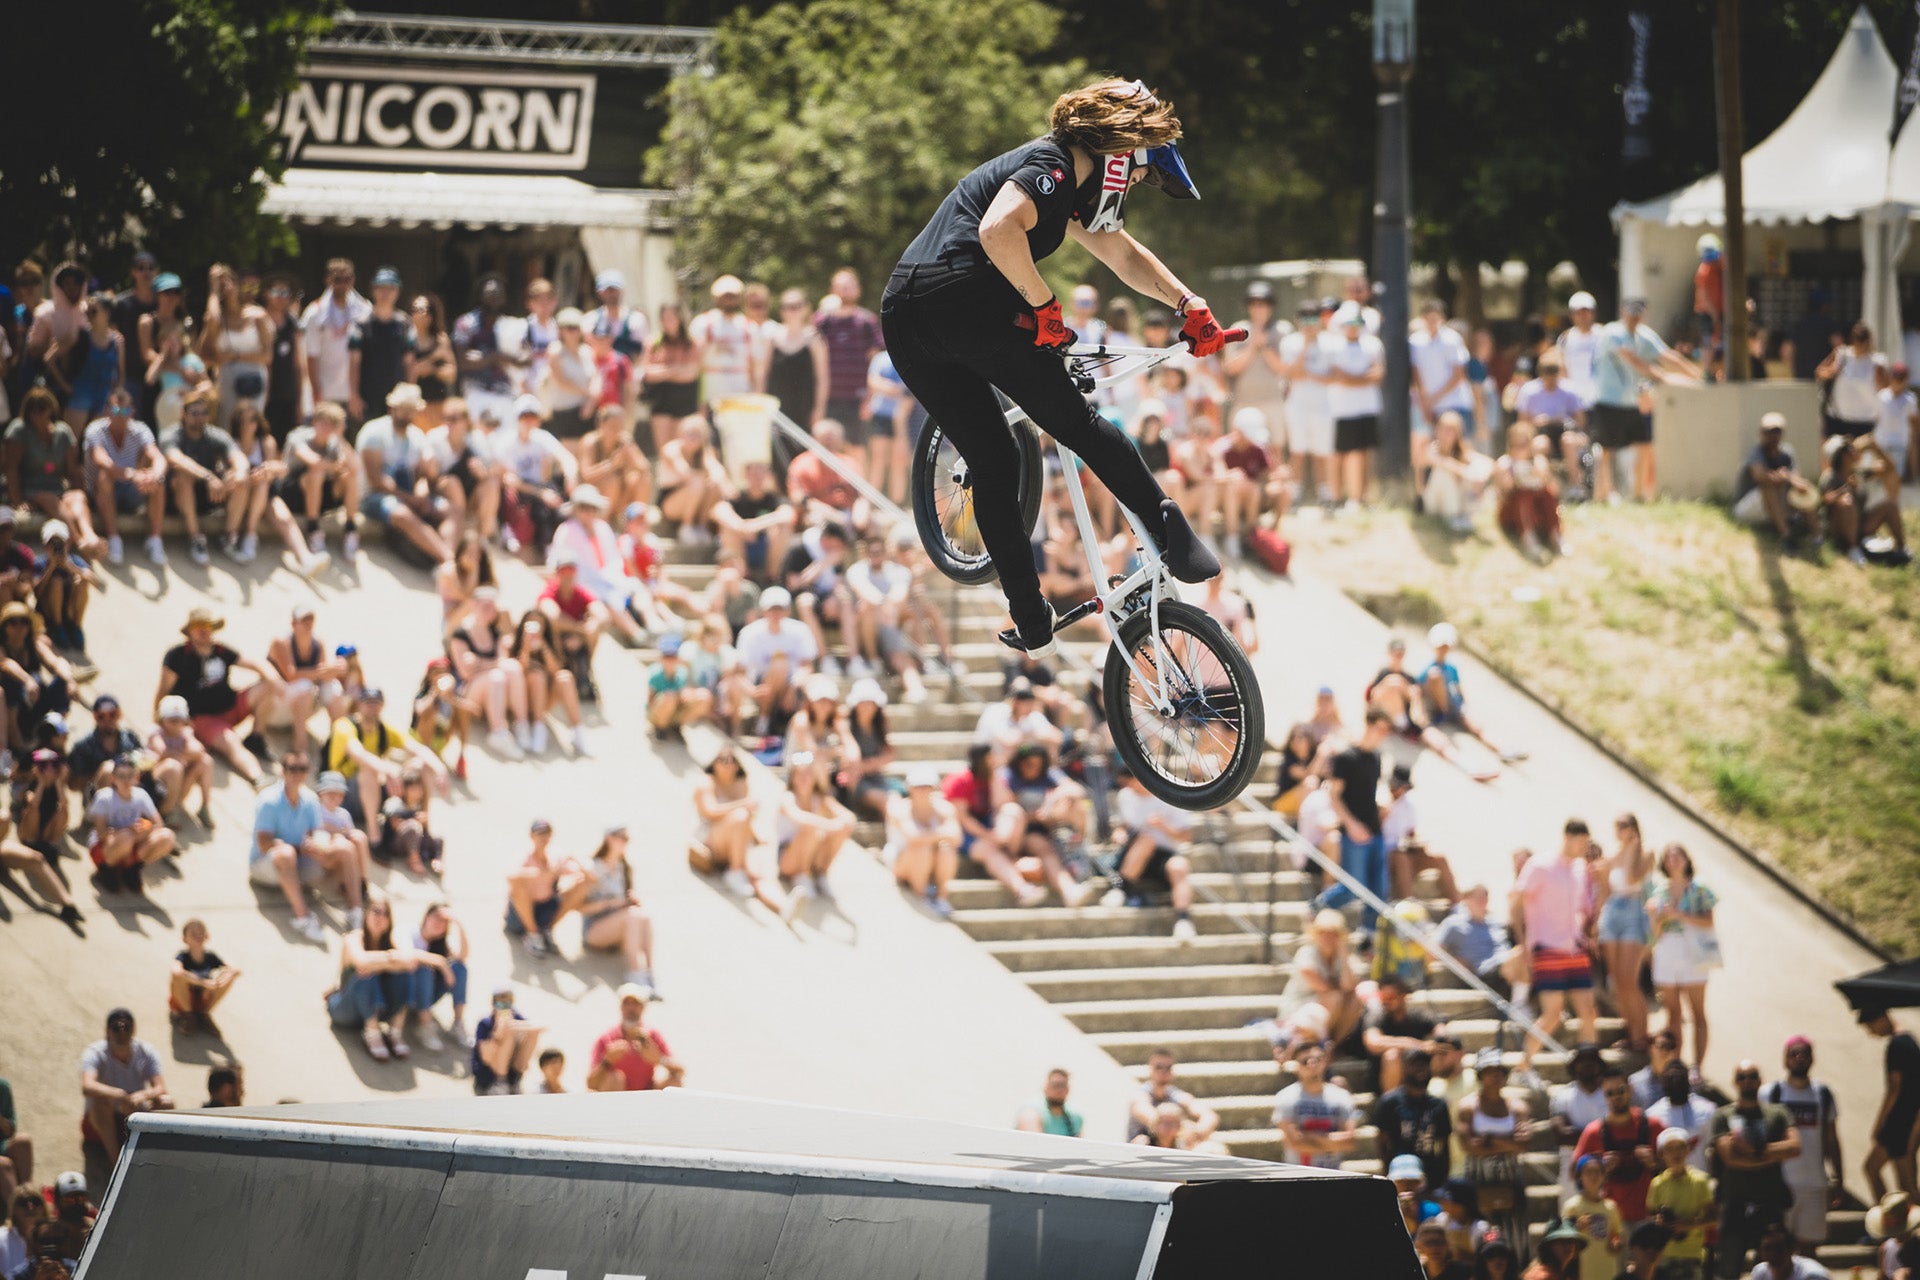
<point x="522" y="736"/>
<point x="830" y="665"/>
<point x="736" y="880"/>
<point x="157" y="552"/>
<point x="308" y="927"/>
<point x="356" y="916"/>
<point x="1857" y="556"/>
<point x="116" y="550"/>
<point x="249" y="548"/>
<point x="501" y="743"/>
<point x="1234" y="550"/>
<point x="463" y="1035"/>
<point x="538" y="744"/>
<point x="429" y="1036"/>
<point x="313" y="563"/>
<point x="580" y="747"/>
<point x="858" y="668"/>
<point x="350" y="546"/>
<point x="822" y="889"/>
<point x="317" y="541"/>
<point x="196" y="551"/>
<point x="689" y="535"/>
<point x="1183" y="931"/>
<point x="802" y="887"/>
<point x="915" y="696"/>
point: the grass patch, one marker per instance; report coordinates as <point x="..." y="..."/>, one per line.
<point x="1783" y="695"/>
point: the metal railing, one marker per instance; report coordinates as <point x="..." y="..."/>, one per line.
<point x="1284" y="835"/>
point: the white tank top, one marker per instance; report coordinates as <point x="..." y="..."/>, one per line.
<point x="239" y="344"/>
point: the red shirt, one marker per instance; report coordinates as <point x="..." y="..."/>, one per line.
<point x="809" y="477"/>
<point x="616" y="371"/>
<point x="643" y="557"/>
<point x="1710" y="288"/>
<point x="1625" y="1186"/>
<point x="574" y="606"/>
<point x="634" y="1068"/>
<point x="1249" y="459"/>
<point x="964" y="790"/>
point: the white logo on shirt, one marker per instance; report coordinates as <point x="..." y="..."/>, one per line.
<point x="1045" y="184"/>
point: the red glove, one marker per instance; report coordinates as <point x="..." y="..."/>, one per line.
<point x="1050" y="332"/>
<point x="1203" y="334"/>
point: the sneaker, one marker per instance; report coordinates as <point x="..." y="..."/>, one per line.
<point x="539" y="738"/>
<point x="463" y="1035"/>
<point x="580" y="747"/>
<point x="537" y="946"/>
<point x="249" y="548"/>
<point x="308" y="927"/>
<point x="858" y="668"/>
<point x="429" y="1036"/>
<point x="736" y="880"/>
<point x="70" y="914"/>
<point x="230" y="547"/>
<point x="116" y="550"/>
<point x="1032" y="896"/>
<point x="1857" y="556"/>
<point x="830" y="666"/>
<point x="356" y="916"/>
<point x="1185" y="552"/>
<point x="1183" y="931"/>
<point x="1235" y="549"/>
<point x="941" y="907"/>
<point x="643" y="978"/>
<point x="546" y="940"/>
<point x="822" y="889"/>
<point x="1530" y="545"/>
<point x="350" y="546"/>
<point x="196" y="549"/>
<point x="312" y="563"/>
<point x="1035" y="638"/>
<point x="803" y="887"/>
<point x="509" y="543"/>
<point x="317" y="541"/>
<point x="397" y="1041"/>
<point x="501" y="743"/>
<point x="522" y="736"/>
<point x="157" y="551"/>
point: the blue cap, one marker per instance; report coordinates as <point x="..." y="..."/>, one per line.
<point x="166" y="282"/>
<point x="386" y="275"/>
<point x="633" y="512"/>
<point x="346" y="651"/>
<point x="611" y="278"/>
<point x="670" y="644"/>
<point x="1407" y="1167"/>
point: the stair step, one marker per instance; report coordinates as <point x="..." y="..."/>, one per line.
<point x="1178" y="1013"/>
<point x="1001" y="924"/>
<point x="983" y="894"/>
<point x="1157" y="982"/>
<point x="1030" y="954"/>
<point x="1189" y="1047"/>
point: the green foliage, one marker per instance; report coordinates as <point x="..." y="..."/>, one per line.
<point x="153" y="132"/>
<point x="827" y="135"/>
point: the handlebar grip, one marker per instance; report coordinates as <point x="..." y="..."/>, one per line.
<point x="1234" y="335"/>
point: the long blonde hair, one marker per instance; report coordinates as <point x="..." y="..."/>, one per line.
<point x="1108" y="117"/>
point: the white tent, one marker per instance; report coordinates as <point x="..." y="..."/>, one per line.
<point x="1827" y="161"/>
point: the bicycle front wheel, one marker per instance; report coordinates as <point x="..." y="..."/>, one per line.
<point x="944" y="502"/>
<point x="1205" y="750"/>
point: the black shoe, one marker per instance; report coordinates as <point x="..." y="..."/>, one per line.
<point x="257" y="744"/>
<point x="1187" y="558"/>
<point x="1033" y="636"/>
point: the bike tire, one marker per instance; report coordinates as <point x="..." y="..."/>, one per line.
<point x="1227" y="691"/>
<point x="947" y="530"/>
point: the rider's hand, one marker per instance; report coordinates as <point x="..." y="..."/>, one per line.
<point x="1203" y="334"/>
<point x="1050" y="332"/>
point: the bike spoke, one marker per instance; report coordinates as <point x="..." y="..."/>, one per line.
<point x="1196" y="741"/>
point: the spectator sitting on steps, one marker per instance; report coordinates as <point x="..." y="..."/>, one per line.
<point x="1052" y="1114"/>
<point x="1152" y="858"/>
<point x="1160" y="1090"/>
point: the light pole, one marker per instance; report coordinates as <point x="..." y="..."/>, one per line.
<point x="1393" y="65"/>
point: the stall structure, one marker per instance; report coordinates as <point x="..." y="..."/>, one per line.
<point x="677" y="1185"/>
<point x="1828" y="205"/>
<point x="451" y="147"/>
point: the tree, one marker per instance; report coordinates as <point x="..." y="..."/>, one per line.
<point x="827" y="135"/>
<point x="153" y="131"/>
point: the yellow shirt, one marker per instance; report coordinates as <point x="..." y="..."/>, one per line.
<point x="345" y="730"/>
<point x="1598" y="1261"/>
<point x="1688" y="1196"/>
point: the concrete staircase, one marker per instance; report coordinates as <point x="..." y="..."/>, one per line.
<point x="1118" y="975"/>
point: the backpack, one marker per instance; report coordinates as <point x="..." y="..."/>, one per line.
<point x="1271" y="550"/>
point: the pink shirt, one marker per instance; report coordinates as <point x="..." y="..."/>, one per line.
<point x="1555" y="893"/>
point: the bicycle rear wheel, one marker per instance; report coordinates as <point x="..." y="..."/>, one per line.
<point x="943" y="502"/>
<point x="1207" y="750"/>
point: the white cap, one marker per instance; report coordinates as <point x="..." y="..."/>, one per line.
<point x="821" y="685"/>
<point x="727" y="284"/>
<point x="1581" y="301"/>
<point x="174" y="707"/>
<point x="70" y="1184"/>
<point x="866" y="690"/>
<point x="776" y="598"/>
<point x="55" y="529"/>
<point x="529" y="405"/>
<point x="1151" y="407"/>
<point x="589" y="495"/>
<point x="1674" y="1133"/>
<point x="923" y="775"/>
<point x="1442" y="633"/>
<point x="1251" y="422"/>
<point x="1349" y="313"/>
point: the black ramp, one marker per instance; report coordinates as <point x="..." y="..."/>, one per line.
<point x="1298" y="1230"/>
<point x="201" y="1208"/>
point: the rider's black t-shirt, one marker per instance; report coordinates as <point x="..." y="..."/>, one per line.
<point x="1042" y="168"/>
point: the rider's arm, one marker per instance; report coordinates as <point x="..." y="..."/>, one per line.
<point x="1135" y="264"/>
<point x="1003" y="235"/>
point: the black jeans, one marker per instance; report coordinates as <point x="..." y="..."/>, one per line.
<point x="953" y="340"/>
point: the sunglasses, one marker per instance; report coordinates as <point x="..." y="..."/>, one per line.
<point x="296" y="768"/>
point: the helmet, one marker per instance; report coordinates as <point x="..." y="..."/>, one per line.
<point x="1164" y="169"/>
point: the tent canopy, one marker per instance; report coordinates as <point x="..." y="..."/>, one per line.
<point x="349" y="196"/>
<point x="1827" y="160"/>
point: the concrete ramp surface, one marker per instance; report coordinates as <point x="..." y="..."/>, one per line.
<point x="678" y="1186"/>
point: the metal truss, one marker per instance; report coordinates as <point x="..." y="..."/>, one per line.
<point x="556" y="43"/>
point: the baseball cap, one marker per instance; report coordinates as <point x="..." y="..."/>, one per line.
<point x="70" y="1184"/>
<point x="1898" y="369"/>
<point x="1442" y="633"/>
<point x="1349" y="313"/>
<point x="822" y="687"/>
<point x="1407" y="1167"/>
<point x="1251" y="421"/>
<point x="1798" y="1041"/>
<point x="56" y="722"/>
<point x="1587" y="1049"/>
<point x="166" y="282"/>
<point x="372" y="693"/>
<point x="776" y="598"/>
<point x="47" y="755"/>
<point x="540" y="827"/>
<point x="924" y="775"/>
<point x="633" y="991"/>
<point x="866" y="690"/>
<point x="569" y="318"/>
<point x="386" y="275"/>
<point x="1489" y="1059"/>
<point x="173" y="707"/>
<point x="611" y="278"/>
<point x="1019" y="687"/>
<point x="1636" y="306"/>
<point x="304" y="610"/>
<point x="1309" y="309"/>
<point x="55" y="531"/>
<point x="589" y="495"/>
<point x="1773" y="422"/>
<point x="727" y="284"/>
<point x="566" y="558"/>
<point x="529" y="405"/>
<point x="670" y="644"/>
<point x="1581" y="301"/>
<point x="633" y="512"/>
<point x="105" y="702"/>
<point x="1402" y="776"/>
<point x="1259" y="291"/>
<point x="1151" y="407"/>
<point x="331" y="781"/>
<point x="1675" y="1134"/>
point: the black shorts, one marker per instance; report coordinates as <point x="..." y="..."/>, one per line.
<point x="1350" y="435"/>
<point x="1895" y="1136"/>
<point x="202" y="500"/>
<point x="288" y="491"/>
<point x="673" y="399"/>
<point x="568" y="424"/>
<point x="1153" y="876"/>
<point x="1831" y="426"/>
<point x="1618" y="427"/>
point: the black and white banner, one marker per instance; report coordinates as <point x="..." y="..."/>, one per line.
<point x="1636" y="99"/>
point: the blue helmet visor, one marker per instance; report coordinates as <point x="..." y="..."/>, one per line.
<point x="1167" y="171"/>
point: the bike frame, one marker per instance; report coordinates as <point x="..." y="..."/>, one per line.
<point x="1151" y="574"/>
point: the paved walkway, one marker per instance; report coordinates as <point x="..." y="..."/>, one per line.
<point x="875" y="1005"/>
<point x="1782" y="958"/>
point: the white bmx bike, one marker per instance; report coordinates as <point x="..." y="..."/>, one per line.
<point x="1180" y="696"/>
